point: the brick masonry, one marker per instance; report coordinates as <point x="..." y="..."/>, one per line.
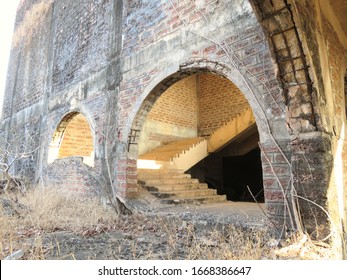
<point x="75" y="57"/>
<point x="72" y="176"/>
<point x="219" y="101"/>
<point x="77" y="139"/>
<point x="177" y="105"/>
<point x="111" y="61"/>
<point x="194" y="106"/>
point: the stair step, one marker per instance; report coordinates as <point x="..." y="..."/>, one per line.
<point x="170" y="185"/>
<point x="177" y="187"/>
<point x="159" y="156"/>
<point x="185" y="193"/>
<point x="163" y="151"/>
<point x="149" y="176"/>
<point x="170" y="181"/>
<point x="170" y="170"/>
<point x="192" y="200"/>
<point x="171" y="147"/>
<point x="171" y="150"/>
<point x="187" y="141"/>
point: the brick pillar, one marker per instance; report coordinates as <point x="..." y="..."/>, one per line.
<point x="277" y="182"/>
<point x="126" y="178"/>
<point x="308" y="169"/>
<point x="131" y="178"/>
<point x="312" y="170"/>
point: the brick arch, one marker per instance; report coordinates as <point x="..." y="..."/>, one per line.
<point x="72" y="137"/>
<point x="290" y="65"/>
<point x="277" y="104"/>
<point x="149" y="97"/>
<point x="174" y="73"/>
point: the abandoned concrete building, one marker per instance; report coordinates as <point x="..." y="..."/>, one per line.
<point x="194" y="101"/>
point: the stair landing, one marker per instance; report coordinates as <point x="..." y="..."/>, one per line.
<point x="169" y="151"/>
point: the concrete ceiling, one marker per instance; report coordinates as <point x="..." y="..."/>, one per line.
<point x="340" y="9"/>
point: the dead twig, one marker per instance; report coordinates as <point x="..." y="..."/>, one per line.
<point x="262" y="210"/>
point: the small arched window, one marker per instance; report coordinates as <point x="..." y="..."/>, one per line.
<point x="73" y="137"/>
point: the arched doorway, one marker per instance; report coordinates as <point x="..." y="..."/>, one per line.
<point x="203" y="126"/>
<point x="72" y="138"/>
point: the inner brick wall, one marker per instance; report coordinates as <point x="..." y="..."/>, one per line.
<point x="203" y="101"/>
<point x="194" y="106"/>
<point x="219" y="101"/>
<point x="177" y="105"/>
<point x="172" y="117"/>
<point x="77" y="139"/>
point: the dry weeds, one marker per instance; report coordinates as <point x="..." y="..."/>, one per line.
<point x="48" y="224"/>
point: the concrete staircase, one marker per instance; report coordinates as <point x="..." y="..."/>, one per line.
<point x="161" y="171"/>
<point x="172" y="150"/>
<point x="183" y="154"/>
<point x="172" y="186"/>
<point x="230" y="130"/>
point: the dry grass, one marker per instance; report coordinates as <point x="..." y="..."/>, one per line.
<point x="48" y="224"/>
<point x="48" y="209"/>
<point x="44" y="210"/>
<point x="229" y="243"/>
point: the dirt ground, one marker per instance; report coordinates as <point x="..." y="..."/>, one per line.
<point x="170" y="235"/>
<point x="49" y="226"/>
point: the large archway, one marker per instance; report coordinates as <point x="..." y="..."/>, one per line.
<point x="203" y="125"/>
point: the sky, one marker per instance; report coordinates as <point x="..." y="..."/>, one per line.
<point x="7" y="16"/>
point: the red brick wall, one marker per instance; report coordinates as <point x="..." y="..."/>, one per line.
<point x="77" y="139"/>
<point x="219" y="101"/>
<point x="150" y="21"/>
<point x="201" y="102"/>
<point x="177" y="105"/>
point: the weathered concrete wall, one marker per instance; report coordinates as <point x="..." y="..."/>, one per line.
<point x="325" y="43"/>
<point x="24" y="99"/>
